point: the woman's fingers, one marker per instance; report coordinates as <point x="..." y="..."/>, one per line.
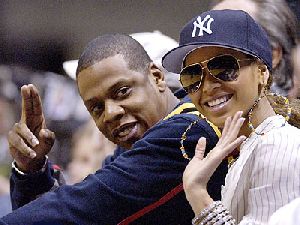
<point x="231" y="129"/>
<point x="233" y="145"/>
<point x="226" y="126"/>
<point x="235" y="129"/>
<point x="200" y="148"/>
<point x="229" y="140"/>
<point x="235" y="120"/>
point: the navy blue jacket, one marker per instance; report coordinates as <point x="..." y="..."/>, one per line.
<point x="139" y="186"/>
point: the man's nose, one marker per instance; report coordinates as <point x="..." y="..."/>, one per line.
<point x="113" y="111"/>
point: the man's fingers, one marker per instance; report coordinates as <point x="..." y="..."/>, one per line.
<point x="18" y="143"/>
<point x="18" y="156"/>
<point x="200" y="148"/>
<point x="26" y="102"/>
<point x="37" y="102"/>
<point x="23" y="131"/>
<point x="31" y="105"/>
<point x="48" y="138"/>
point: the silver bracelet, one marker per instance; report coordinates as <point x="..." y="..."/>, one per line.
<point x="205" y="212"/>
<point x="15" y="167"/>
<point x="215" y="213"/>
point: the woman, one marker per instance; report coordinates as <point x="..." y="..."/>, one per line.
<point x="279" y="22"/>
<point x="224" y="59"/>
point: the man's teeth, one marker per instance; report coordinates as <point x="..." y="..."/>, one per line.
<point x="218" y="101"/>
<point x="124" y="132"/>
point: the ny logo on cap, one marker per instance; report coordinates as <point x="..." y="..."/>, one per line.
<point x="200" y="24"/>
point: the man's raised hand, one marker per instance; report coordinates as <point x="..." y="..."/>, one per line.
<point x="29" y="139"/>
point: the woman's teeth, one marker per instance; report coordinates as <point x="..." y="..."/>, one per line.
<point x="218" y="101"/>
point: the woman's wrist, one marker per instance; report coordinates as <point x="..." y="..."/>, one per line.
<point x="198" y="199"/>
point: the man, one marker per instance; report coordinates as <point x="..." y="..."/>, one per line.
<point x="126" y="95"/>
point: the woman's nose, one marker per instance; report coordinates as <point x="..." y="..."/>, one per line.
<point x="209" y="83"/>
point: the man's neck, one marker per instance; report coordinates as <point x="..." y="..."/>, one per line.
<point x="172" y="101"/>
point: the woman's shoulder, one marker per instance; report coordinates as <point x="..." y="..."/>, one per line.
<point x="289" y="131"/>
<point x="277" y="125"/>
<point x="285" y="136"/>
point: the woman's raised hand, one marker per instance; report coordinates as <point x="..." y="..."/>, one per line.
<point x="200" y="168"/>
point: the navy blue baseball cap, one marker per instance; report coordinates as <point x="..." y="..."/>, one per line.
<point x="225" y="28"/>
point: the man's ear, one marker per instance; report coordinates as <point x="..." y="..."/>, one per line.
<point x="276" y="56"/>
<point x="158" y="77"/>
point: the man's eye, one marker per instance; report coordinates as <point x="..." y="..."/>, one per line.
<point x="96" y="110"/>
<point x="123" y="92"/>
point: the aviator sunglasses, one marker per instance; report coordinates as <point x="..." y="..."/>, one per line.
<point x="222" y="68"/>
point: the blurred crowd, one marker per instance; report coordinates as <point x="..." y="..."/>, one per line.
<point x="63" y="108"/>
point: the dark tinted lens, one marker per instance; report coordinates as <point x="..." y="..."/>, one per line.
<point x="191" y="77"/>
<point x="224" y="68"/>
<point x="193" y="87"/>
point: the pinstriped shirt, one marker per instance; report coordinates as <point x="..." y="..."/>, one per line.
<point x="266" y="175"/>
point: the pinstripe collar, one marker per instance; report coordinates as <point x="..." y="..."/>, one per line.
<point x="268" y="124"/>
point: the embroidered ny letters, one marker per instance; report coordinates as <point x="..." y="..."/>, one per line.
<point x="200" y="25"/>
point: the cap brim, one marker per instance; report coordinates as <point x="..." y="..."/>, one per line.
<point x="172" y="60"/>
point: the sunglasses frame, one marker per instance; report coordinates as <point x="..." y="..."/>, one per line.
<point x="203" y="67"/>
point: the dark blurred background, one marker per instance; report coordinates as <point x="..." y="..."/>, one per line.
<point x="44" y="33"/>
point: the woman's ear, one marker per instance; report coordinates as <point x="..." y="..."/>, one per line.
<point x="158" y="77"/>
<point x="264" y="74"/>
<point x="276" y="56"/>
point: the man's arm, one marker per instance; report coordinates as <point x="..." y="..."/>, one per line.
<point x="25" y="188"/>
<point x="136" y="179"/>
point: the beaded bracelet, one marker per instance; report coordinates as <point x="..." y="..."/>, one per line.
<point x="205" y="212"/>
<point x="215" y="213"/>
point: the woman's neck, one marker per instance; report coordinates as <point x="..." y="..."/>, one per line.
<point x="262" y="111"/>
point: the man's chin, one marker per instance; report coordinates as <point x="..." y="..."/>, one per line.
<point x="129" y="143"/>
<point x="125" y="147"/>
